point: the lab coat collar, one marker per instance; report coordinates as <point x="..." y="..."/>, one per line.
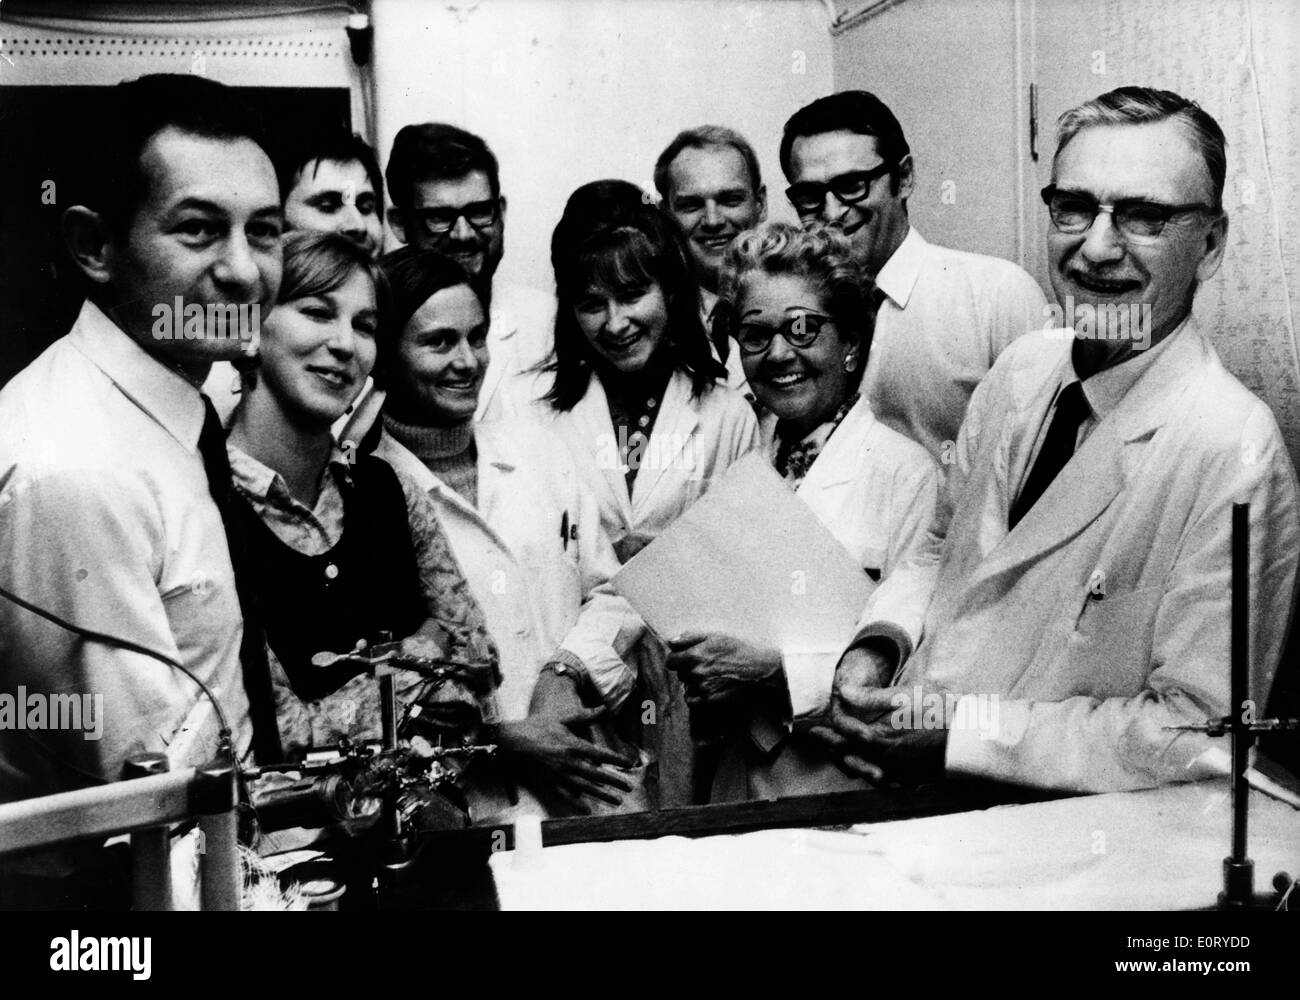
<point x="496" y="462"/>
<point x="839" y="460"/>
<point x="668" y="438"/>
<point x="1093" y="478"/>
<point x="1109" y="387"/>
<point x="899" y="275"/>
<point x="503" y="325"/>
<point x="158" y="390"/>
<point x="593" y="426"/>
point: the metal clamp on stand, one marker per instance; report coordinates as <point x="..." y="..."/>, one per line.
<point x="1238" y="870"/>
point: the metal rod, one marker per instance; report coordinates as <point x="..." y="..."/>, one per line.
<point x="151" y="850"/>
<point x="215" y="797"/>
<point x="1242" y="738"/>
<point x="388" y="710"/>
<point x="219" y="876"/>
<point x="102" y="811"/>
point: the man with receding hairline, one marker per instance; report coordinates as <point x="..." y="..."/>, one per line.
<point x="1081" y="600"/>
<point x="709" y="180"/>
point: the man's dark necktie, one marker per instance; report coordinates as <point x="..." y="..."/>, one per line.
<point x="252" y="650"/>
<point x="1058" y="446"/>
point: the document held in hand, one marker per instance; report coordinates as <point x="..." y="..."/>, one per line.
<point x="749" y="558"/>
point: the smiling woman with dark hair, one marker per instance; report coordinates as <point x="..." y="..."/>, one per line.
<point x="339" y="550"/>
<point x="636" y="390"/>
<point x="639" y="398"/>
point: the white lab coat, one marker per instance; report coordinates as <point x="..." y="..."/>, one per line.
<point x="539" y="592"/>
<point x="521" y="333"/>
<point x="1105" y="615"/>
<point x="876" y="492"/>
<point x="692" y="442"/>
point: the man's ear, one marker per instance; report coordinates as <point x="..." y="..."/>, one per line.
<point x="501" y="200"/>
<point x="397" y="223"/>
<point x="761" y="198"/>
<point x="89" y="243"/>
<point x="906" y="176"/>
<point x="1216" y="240"/>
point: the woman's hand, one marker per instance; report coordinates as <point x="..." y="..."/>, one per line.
<point x="723" y="669"/>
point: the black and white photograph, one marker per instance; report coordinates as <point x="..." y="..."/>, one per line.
<point x="839" y="455"/>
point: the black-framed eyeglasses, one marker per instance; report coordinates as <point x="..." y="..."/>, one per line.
<point x="1136" y="219"/>
<point x="798" y="331"/>
<point x="809" y="196"/>
<point x="441" y="221"/>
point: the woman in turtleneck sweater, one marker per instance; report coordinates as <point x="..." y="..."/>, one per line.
<point x="530" y="542"/>
<point x="640" y="400"/>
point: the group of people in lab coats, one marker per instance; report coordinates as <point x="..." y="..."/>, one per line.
<point x="417" y="449"/>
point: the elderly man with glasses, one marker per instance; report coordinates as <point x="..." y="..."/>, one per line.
<point x="1080" y="617"/>
<point x="944" y="315"/>
<point x="446" y="196"/>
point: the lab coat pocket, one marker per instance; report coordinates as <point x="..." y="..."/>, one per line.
<point x="557" y="584"/>
<point x="1109" y="651"/>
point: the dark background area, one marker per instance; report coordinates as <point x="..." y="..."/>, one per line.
<point x="43" y="138"/>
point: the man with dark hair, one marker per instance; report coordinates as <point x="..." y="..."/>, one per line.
<point x="446" y="196"/>
<point x="111" y="463"/>
<point x="331" y="183"/>
<point x="709" y="181"/>
<point x="1081" y="609"/>
<point x="945" y="315"/>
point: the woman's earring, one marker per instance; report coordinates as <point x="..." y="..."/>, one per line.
<point x="850" y="362"/>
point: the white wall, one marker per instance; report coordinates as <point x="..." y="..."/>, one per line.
<point x="573" y="91"/>
<point x="948" y="71"/>
<point x="1240" y="59"/>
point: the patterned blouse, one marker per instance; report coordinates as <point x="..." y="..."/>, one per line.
<point x="455" y="622"/>
<point x="793" y="458"/>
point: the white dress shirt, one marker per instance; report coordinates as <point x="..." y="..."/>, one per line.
<point x="946" y="317"/>
<point x="106" y="521"/>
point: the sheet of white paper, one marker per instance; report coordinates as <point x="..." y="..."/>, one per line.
<point x="751" y="559"/>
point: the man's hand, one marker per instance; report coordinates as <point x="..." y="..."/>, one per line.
<point x="878" y="735"/>
<point x="557" y="760"/>
<point x="722" y="669"/>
